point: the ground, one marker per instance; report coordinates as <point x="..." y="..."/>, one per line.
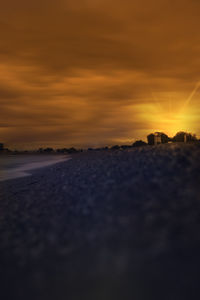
<point x="104" y="225"/>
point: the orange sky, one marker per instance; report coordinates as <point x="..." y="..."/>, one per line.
<point x="97" y="72"/>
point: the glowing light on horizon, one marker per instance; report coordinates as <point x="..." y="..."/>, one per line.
<point x="170" y="118"/>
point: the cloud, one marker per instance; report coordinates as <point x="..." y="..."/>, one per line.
<point x="90" y="72"/>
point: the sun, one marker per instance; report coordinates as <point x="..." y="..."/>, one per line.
<point x="170" y="121"/>
<point x="160" y="120"/>
<point x="171" y="113"/>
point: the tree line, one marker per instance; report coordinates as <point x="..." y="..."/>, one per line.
<point x="180" y="136"/>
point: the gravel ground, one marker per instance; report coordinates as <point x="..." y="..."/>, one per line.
<point x="104" y="225"/>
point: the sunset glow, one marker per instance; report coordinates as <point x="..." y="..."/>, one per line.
<point x="172" y="120"/>
<point x="94" y="73"/>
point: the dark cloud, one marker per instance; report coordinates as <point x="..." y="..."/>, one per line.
<point x="93" y="72"/>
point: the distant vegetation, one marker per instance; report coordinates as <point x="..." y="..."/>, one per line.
<point x="139" y="143"/>
<point x="162" y="138"/>
<point x="182" y="136"/>
<point x="70" y="150"/>
<point x="152" y="139"/>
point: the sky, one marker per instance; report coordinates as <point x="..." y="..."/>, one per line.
<point x="97" y="72"/>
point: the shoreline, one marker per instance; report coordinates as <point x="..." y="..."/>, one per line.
<point x="26" y="168"/>
<point x="108" y="223"/>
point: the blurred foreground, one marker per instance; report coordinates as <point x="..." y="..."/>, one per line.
<point x="104" y="225"/>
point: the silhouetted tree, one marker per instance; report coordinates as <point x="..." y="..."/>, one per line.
<point x="150" y="139"/>
<point x="191" y="137"/>
<point x="164" y="138"/>
<point x="183" y="136"/>
<point x="116" y="147"/>
<point x="72" y="150"/>
<point x="62" y="150"/>
<point x="125" y="147"/>
<point x="139" y="143"/>
<point x="40" y="150"/>
<point x="179" y="137"/>
<point x="48" y="150"/>
<point x="1" y="146"/>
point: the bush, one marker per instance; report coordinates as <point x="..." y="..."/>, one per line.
<point x="125" y="147"/>
<point x="139" y="143"/>
<point x="48" y="150"/>
<point x="116" y="147"/>
<point x="72" y="150"/>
